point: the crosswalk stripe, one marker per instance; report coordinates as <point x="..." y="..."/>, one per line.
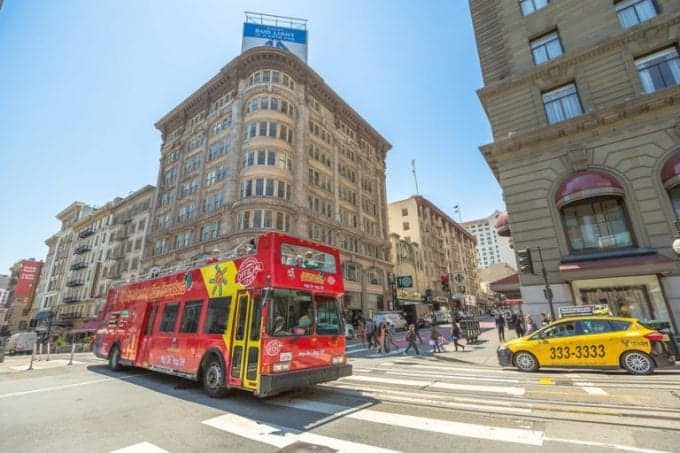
<point x="515" y="391"/>
<point x="515" y="435"/>
<point x="281" y="436"/>
<point x="142" y="447"/>
<point x="590" y="388"/>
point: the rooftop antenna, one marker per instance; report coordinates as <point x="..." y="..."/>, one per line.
<point x="413" y="166"/>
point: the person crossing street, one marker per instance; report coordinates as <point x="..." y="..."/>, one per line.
<point x="500" y="325"/>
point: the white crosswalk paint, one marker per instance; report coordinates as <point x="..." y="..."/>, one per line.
<point x="281" y="436"/>
<point x="515" y="391"/>
<point x="603" y="445"/>
<point x="430" y="374"/>
<point x="515" y="435"/>
<point x="590" y="388"/>
<point x="142" y="447"/>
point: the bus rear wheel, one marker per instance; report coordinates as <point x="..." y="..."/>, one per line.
<point x="213" y="378"/>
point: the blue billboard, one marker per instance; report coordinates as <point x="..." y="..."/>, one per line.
<point x="290" y="39"/>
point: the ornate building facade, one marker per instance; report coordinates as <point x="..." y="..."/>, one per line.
<point x="582" y="98"/>
<point x="267" y="145"/>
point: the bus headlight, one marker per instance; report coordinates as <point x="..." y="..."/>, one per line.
<point x="338" y="360"/>
<point x="281" y="366"/>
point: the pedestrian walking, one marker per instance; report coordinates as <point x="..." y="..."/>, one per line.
<point x="389" y="338"/>
<point x="434" y="339"/>
<point x="456" y="335"/>
<point x="411" y="337"/>
<point x="370" y="332"/>
<point x="500" y="325"/>
<point x="544" y="320"/>
<point x="519" y="324"/>
<point x="531" y="325"/>
<point x="362" y="332"/>
<point x="380" y="338"/>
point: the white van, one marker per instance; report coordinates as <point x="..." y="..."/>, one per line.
<point x="21" y="342"/>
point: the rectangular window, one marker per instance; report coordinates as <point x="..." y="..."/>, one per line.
<point x="218" y="313"/>
<point x="169" y="318"/>
<point x="530" y="6"/>
<point x="659" y="70"/>
<point x="562" y="104"/>
<point x="404" y="212"/>
<point x="546" y="47"/>
<point x="259" y="187"/>
<point x="269" y="188"/>
<point x="633" y="12"/>
<point x="192" y="312"/>
<point x="406" y="226"/>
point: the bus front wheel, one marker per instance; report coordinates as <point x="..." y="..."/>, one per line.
<point x="114" y="359"/>
<point x="213" y="378"/>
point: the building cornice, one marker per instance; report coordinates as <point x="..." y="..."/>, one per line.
<point x="605" y="117"/>
<point x="653" y="28"/>
<point x="262" y="58"/>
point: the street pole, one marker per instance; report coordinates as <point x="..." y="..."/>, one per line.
<point x="548" y="291"/>
<point x="413" y="165"/>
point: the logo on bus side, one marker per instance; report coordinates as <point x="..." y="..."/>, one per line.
<point x="248" y="270"/>
<point x="273" y="348"/>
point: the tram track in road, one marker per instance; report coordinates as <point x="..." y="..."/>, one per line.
<point x="529" y="408"/>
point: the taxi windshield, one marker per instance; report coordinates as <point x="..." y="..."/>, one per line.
<point x="307" y="258"/>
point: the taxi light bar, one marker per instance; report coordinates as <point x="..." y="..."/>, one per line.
<point x="655" y="336"/>
<point x="338" y="360"/>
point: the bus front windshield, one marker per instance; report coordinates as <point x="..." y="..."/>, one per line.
<point x="291" y="313"/>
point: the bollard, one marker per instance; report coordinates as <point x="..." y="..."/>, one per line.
<point x="73" y="349"/>
<point x="30" y="365"/>
<point x="40" y="352"/>
<point x="48" y="352"/>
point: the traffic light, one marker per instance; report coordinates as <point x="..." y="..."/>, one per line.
<point x="524" y="263"/>
<point x="445" y="282"/>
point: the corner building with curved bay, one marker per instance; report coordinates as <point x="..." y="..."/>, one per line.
<point x="266" y="145"/>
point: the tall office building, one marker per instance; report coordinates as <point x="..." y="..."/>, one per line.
<point x="492" y="248"/>
<point x="583" y="100"/>
<point x="267" y="145"/>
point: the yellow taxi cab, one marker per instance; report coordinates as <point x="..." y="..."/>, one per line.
<point x="590" y="342"/>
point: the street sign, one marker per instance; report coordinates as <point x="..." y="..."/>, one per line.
<point x="459" y="277"/>
<point x="404" y="281"/>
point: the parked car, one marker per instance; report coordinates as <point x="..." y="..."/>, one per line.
<point x="393" y="319"/>
<point x="21" y="342"/>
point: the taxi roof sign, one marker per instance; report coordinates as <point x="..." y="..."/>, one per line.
<point x="584" y="310"/>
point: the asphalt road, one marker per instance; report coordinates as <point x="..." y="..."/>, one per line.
<point x="391" y="403"/>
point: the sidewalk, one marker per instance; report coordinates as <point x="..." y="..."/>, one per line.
<point x="18" y="363"/>
<point x="481" y="353"/>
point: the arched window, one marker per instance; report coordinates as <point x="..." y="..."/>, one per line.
<point x="593" y="212"/>
<point x="670" y="175"/>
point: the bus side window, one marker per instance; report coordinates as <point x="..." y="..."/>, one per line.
<point x="169" y="318"/>
<point x="190" y="316"/>
<point x="217" y="316"/>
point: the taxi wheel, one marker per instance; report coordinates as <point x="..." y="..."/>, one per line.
<point x="637" y="362"/>
<point x="525" y="361"/>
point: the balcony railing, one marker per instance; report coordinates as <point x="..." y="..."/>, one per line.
<point x="70" y="299"/>
<point x="70" y="316"/>
<point x="74" y="282"/>
<point x="86" y="233"/>
<point x="78" y="265"/>
<point x="82" y="249"/>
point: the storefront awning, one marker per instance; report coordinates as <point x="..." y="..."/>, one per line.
<point x="512" y="302"/>
<point x="606" y="267"/>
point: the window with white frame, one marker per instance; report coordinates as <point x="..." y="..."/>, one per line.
<point x="268" y="157"/>
<point x="182" y="239"/>
<point x="530" y="6"/>
<point x="221" y="125"/>
<point x="160" y="247"/>
<point x="659" y="70"/>
<point x="210" y="231"/>
<point x="633" y="12"/>
<point x="546" y="47"/>
<point x="562" y="103"/>
<point x="263" y="219"/>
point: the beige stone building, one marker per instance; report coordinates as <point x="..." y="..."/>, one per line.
<point x="438" y="246"/>
<point x="93" y="248"/>
<point x="583" y="100"/>
<point x="265" y="145"/>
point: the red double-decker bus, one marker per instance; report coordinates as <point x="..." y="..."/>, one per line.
<point x="265" y="322"/>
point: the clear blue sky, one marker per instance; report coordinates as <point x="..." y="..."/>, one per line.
<point x="82" y="83"/>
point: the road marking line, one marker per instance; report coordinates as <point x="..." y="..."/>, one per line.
<point x="356" y="350"/>
<point x="448" y="375"/>
<point x="590" y="388"/>
<point x="602" y="444"/>
<point x="59" y="387"/>
<point x="515" y="391"/>
<point x="516" y="435"/>
<point x="281" y="436"/>
<point x="546" y="381"/>
<point x="142" y="447"/>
